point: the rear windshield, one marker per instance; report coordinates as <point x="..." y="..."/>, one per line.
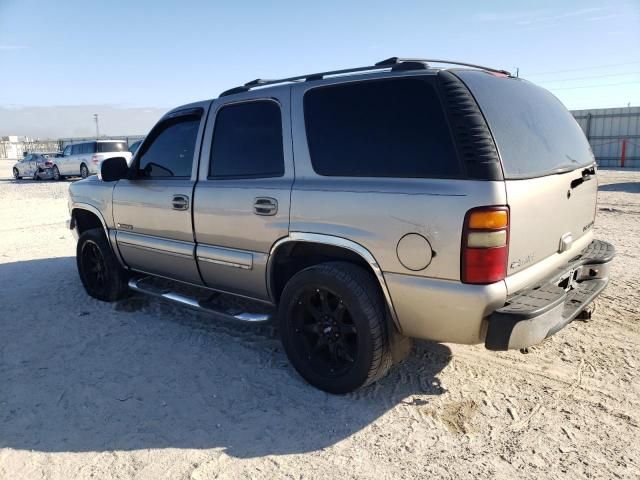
<point x="379" y="128"/>
<point x="535" y="134"/>
<point x="112" y="147"/>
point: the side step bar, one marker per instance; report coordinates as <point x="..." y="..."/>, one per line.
<point x="145" y="285"/>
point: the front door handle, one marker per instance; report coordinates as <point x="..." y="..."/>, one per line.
<point x="265" y="206"/>
<point x="180" y="202"/>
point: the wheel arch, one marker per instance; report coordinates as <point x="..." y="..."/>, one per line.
<point x="85" y="216"/>
<point x="300" y="250"/>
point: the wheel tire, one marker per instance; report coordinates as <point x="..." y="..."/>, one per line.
<point x="16" y="174"/>
<point x="36" y="176"/>
<point x="84" y="171"/>
<point x="101" y="274"/>
<point x="357" y="295"/>
<point x="56" y="173"/>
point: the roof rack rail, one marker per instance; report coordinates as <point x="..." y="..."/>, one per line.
<point x="394" y="63"/>
<point x="397" y="61"/>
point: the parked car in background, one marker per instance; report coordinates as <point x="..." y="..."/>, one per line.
<point x="134" y="147"/>
<point x="82" y="159"/>
<point x="449" y="204"/>
<point x="35" y="165"/>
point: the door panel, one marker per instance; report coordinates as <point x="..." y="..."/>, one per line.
<point x="33" y="165"/>
<point x="237" y="220"/>
<point x="152" y="212"/>
<point x="236" y="271"/>
<point x="159" y="256"/>
<point x="63" y="162"/>
<point x="163" y="237"/>
<point x="224" y="217"/>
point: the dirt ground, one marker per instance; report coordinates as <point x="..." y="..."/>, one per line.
<point x="142" y="389"/>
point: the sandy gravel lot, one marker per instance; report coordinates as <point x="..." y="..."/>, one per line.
<point x="146" y="390"/>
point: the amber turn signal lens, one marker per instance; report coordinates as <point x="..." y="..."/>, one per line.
<point x="489" y="219"/>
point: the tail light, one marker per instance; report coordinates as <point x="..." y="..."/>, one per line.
<point x="485" y="245"/>
<point x="95" y="159"/>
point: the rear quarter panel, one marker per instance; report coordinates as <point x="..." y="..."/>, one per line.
<point x="378" y="212"/>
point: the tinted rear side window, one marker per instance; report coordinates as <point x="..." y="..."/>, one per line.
<point x="381" y="128"/>
<point x="247" y="141"/>
<point x="112" y="147"/>
<point x="535" y="134"/>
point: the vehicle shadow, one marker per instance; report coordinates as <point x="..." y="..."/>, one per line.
<point x="628" y="187"/>
<point x="81" y="375"/>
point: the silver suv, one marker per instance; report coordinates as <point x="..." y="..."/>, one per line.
<point x="83" y="158"/>
<point x="360" y="208"/>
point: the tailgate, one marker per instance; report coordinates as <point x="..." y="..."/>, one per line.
<point x="548" y="216"/>
<point x="549" y="173"/>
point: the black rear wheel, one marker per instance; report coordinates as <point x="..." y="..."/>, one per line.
<point x="333" y="324"/>
<point x="101" y="274"/>
<point x="56" y="173"/>
<point x="16" y="174"/>
<point x="84" y="171"/>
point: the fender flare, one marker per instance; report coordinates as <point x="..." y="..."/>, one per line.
<point x="110" y="234"/>
<point x="335" y="242"/>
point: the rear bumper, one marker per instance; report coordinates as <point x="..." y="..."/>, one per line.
<point x="45" y="173"/>
<point x="530" y="316"/>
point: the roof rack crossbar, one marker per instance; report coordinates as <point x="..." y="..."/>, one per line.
<point x="383" y="65"/>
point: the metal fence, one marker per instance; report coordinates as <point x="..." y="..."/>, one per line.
<point x="614" y="135"/>
<point x="63" y="142"/>
<point x="17" y="149"/>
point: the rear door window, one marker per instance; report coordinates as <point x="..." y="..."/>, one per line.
<point x="535" y="134"/>
<point x="104" y="147"/>
<point x="89" y="147"/>
<point x="169" y="154"/>
<point x="247" y="141"/>
<point x="379" y="128"/>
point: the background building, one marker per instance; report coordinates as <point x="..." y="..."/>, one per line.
<point x="614" y="135"/>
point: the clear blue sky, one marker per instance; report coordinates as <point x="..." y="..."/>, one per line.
<point x="165" y="53"/>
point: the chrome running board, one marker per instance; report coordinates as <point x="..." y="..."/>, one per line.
<point x="203" y="303"/>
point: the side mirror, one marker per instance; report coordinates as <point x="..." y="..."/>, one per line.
<point x="113" y="169"/>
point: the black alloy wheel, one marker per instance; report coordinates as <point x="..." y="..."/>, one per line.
<point x="333" y="325"/>
<point x="100" y="272"/>
<point x="94" y="268"/>
<point x="326" y="333"/>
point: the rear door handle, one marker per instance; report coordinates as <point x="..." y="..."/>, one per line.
<point x="265" y="206"/>
<point x="180" y="202"/>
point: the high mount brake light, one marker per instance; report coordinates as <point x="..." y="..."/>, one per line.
<point x="485" y="245"/>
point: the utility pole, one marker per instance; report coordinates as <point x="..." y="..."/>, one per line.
<point x="517" y="72"/>
<point x="95" y="117"/>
